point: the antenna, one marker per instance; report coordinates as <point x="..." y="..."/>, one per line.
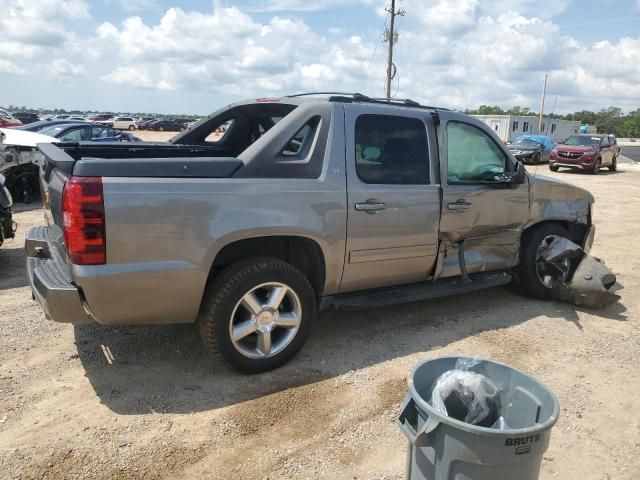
<point x="392" y="37"/>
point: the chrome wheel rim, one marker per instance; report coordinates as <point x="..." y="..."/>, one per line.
<point x="542" y="268"/>
<point x="265" y="320"/>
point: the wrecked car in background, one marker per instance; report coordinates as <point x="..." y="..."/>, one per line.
<point x="7" y="225"/>
<point x="17" y="162"/>
<point x="302" y="203"/>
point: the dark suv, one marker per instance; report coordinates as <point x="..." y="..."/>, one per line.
<point x="586" y="152"/>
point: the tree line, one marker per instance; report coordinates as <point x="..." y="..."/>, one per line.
<point x="608" y="120"/>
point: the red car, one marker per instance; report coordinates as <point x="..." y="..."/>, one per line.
<point x="7" y="120"/>
<point x="586" y="152"/>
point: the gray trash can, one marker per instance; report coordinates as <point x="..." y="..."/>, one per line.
<point x="443" y="448"/>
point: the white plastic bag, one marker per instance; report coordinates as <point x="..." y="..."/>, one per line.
<point x="475" y="392"/>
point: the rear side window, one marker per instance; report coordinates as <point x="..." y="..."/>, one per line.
<point x="391" y="150"/>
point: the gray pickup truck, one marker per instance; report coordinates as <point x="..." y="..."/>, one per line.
<point x="302" y="203"/>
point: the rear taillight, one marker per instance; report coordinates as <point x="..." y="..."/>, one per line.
<point x="83" y="220"/>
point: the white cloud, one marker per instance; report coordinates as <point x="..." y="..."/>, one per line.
<point x="7" y="66"/>
<point x="63" y="69"/>
<point x="458" y="53"/>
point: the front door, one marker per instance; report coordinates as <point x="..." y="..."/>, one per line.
<point x="478" y="214"/>
<point x="393" y="197"/>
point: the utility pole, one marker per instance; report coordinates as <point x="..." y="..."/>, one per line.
<point x="544" y="94"/>
<point x="392" y="37"/>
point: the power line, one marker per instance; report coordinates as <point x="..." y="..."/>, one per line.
<point x="600" y="22"/>
<point x="378" y="42"/>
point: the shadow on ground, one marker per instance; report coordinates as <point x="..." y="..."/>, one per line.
<point x="165" y="370"/>
<point x="13" y="270"/>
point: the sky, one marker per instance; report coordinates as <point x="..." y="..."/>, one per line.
<point x="194" y="56"/>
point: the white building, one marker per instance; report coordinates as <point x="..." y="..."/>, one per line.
<point x="509" y="127"/>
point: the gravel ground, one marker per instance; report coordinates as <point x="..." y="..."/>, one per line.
<point x="92" y="402"/>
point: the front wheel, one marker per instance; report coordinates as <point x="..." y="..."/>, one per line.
<point x="597" y="166"/>
<point x="534" y="280"/>
<point x="553" y="168"/>
<point x="257" y="314"/>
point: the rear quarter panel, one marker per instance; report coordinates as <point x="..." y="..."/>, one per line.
<point x="164" y="233"/>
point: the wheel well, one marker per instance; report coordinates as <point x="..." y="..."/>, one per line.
<point x="577" y="231"/>
<point x="303" y="253"/>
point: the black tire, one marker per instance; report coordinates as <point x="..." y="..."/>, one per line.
<point x="225" y="291"/>
<point x="614" y="164"/>
<point x="529" y="282"/>
<point x="596" y="167"/>
<point x="553" y="168"/>
<point x="160" y="129"/>
<point x="536" y="159"/>
<point x="132" y="127"/>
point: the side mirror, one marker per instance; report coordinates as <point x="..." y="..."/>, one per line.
<point x="520" y="175"/>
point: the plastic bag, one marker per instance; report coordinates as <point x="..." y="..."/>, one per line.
<point x="466" y="396"/>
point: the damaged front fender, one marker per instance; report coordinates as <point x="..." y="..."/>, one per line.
<point x="593" y="285"/>
<point x="575" y="276"/>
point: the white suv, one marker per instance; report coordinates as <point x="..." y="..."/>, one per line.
<point x="124" y="123"/>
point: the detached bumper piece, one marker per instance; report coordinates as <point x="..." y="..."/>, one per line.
<point x="50" y="282"/>
<point x="579" y="278"/>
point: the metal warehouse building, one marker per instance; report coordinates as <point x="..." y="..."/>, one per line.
<point x="509" y="127"/>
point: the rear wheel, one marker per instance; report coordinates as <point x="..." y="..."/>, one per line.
<point x="533" y="278"/>
<point x="257" y="314"/>
<point x="536" y="159"/>
<point x="132" y="127"/>
<point x="614" y="164"/>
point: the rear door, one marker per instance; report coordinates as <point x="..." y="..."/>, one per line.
<point x="393" y="197"/>
<point x="477" y="212"/>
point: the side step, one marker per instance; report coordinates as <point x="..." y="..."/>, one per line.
<point x="415" y="292"/>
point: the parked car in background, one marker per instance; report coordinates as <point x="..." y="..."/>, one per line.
<point x="26" y="117"/>
<point x="144" y="124"/>
<point x="124" y="123"/>
<point x="42" y="124"/>
<point x="586" y="152"/>
<point x="7" y="226"/>
<point x="81" y="132"/>
<point x="166" y="125"/>
<point x="101" y="117"/>
<point x="7" y="120"/>
<point x="77" y="118"/>
<point x="533" y="149"/>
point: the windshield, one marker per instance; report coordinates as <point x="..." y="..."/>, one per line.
<point x="51" y="131"/>
<point x="525" y="144"/>
<point x="583" y="140"/>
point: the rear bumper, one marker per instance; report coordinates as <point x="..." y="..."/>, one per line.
<point x="50" y="282"/>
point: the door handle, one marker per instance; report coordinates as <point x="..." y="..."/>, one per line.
<point x="370" y="206"/>
<point x="459" y="205"/>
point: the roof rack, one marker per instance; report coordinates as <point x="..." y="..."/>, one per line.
<point x="321" y="93"/>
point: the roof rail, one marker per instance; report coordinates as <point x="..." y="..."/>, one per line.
<point x="359" y="97"/>
<point x="322" y="93"/>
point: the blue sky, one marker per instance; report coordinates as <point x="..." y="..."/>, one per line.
<point x="194" y="56"/>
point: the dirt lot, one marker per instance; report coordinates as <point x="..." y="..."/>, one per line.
<point x="91" y="402"/>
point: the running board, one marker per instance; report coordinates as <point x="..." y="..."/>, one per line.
<point x="415" y="292"/>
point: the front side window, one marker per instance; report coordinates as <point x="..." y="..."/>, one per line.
<point x="74" y="136"/>
<point x="515" y="126"/>
<point x="472" y="155"/>
<point x="391" y="150"/>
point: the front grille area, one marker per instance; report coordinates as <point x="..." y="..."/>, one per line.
<point x="570" y="155"/>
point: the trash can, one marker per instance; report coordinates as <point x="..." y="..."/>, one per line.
<point x="443" y="448"/>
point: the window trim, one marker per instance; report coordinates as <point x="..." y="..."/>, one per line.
<point x="429" y="179"/>
<point x="509" y="167"/>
